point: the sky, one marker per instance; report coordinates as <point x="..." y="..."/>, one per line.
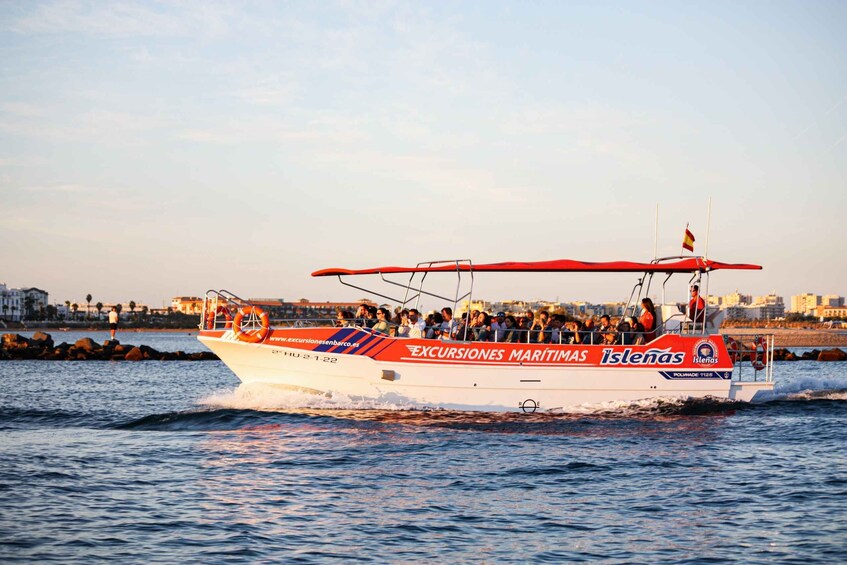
<point x="151" y="150"/>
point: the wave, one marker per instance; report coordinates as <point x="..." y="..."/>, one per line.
<point x="15" y="418"/>
<point x="208" y="420"/>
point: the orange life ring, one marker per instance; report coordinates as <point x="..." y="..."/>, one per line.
<point x="211" y="317"/>
<point x="759" y="356"/>
<point x="733" y="348"/>
<point x="252" y="334"/>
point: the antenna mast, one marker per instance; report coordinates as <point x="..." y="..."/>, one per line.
<point x="708" y="227"/>
<point x="656" y="235"/>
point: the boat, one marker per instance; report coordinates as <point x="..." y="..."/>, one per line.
<point x="688" y="358"/>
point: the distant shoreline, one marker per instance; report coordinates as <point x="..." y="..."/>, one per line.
<point x="51" y="329"/>
<point x="783" y="337"/>
<point x="792" y="337"/>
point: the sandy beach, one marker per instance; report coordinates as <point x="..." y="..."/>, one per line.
<point x="792" y="337"/>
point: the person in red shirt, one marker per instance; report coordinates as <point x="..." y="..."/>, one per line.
<point x="697" y="306"/>
<point x="648" y="319"/>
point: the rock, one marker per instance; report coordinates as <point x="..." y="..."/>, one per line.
<point x="110" y="343"/>
<point x="134" y="354"/>
<point x="14" y="341"/>
<point x="203" y="356"/>
<point x="87" y="344"/>
<point x="117" y="357"/>
<point x="810" y="355"/>
<point x="832" y="355"/>
<point x="122" y="348"/>
<point x="41" y="339"/>
<point x="149" y="353"/>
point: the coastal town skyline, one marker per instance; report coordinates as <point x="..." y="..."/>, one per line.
<point x="149" y="150"/>
<point x="31" y="303"/>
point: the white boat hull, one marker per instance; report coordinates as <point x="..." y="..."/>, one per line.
<point x="491" y="385"/>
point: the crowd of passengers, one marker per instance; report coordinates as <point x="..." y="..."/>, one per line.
<point x="527" y="328"/>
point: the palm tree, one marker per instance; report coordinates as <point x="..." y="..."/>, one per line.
<point x="74" y="307"/>
<point x="99" y="307"/>
<point x="88" y="307"/>
<point x="5" y="311"/>
<point x="28" y="303"/>
<point x="67" y="307"/>
<point x="119" y="307"/>
<point x="132" y="307"/>
<point x="144" y="311"/>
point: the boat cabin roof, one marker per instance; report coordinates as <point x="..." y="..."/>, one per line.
<point x="685" y="265"/>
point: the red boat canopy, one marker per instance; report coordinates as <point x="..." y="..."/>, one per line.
<point x="687" y="265"/>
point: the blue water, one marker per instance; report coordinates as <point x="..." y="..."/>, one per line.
<point x="173" y="461"/>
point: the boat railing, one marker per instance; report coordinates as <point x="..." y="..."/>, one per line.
<point x="752" y="356"/>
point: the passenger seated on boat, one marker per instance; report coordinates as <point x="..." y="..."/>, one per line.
<point x="371" y="320"/>
<point x="498" y="327"/>
<point x="539" y="331"/>
<point x="433" y="327"/>
<point x="528" y="322"/>
<point x="416" y="325"/>
<point x="511" y="333"/>
<point x="637" y="331"/>
<point x="403" y="326"/>
<point x="343" y="318"/>
<point x="574" y="332"/>
<point x="361" y="315"/>
<point x="586" y="333"/>
<point x="469" y="321"/>
<point x="448" y="325"/>
<point x="555" y="327"/>
<point x="463" y="332"/>
<point x="382" y="326"/>
<point x="482" y="327"/>
<point x="625" y="336"/>
<point x="606" y="330"/>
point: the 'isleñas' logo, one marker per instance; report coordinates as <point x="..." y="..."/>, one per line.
<point x="705" y="353"/>
<point x="650" y="357"/>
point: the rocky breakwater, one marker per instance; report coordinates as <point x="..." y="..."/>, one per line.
<point x="41" y="346"/>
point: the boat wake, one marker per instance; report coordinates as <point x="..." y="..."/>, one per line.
<point x="269" y="398"/>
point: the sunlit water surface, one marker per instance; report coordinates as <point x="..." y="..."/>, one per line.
<point x="172" y="461"/>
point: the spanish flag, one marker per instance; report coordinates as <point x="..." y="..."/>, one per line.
<point x="688" y="240"/>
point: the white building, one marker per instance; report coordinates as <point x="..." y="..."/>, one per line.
<point x="805" y="303"/>
<point x="187" y="304"/>
<point x="735" y="312"/>
<point x="765" y="311"/>
<point x="11" y="303"/>
<point x="736" y="299"/>
<point x="832" y="300"/>
<point x="17" y="304"/>
<point x="769" y="299"/>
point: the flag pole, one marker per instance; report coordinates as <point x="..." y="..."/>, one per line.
<point x="683" y="239"/>
<point x="708" y="227"/>
<point x="656" y="235"/>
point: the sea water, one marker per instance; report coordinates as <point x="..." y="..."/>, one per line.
<point x="174" y="461"/>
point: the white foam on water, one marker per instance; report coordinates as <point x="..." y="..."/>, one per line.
<point x="814" y="383"/>
<point x="269" y="398"/>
